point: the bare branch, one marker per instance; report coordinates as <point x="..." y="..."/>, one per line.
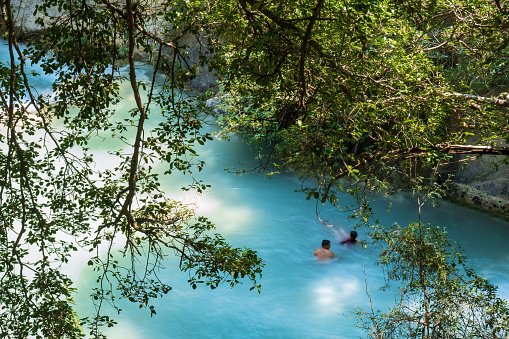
<point x="488" y="100"/>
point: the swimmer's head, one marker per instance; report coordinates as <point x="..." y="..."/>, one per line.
<point x="325" y="242"/>
<point x="353" y="235"/>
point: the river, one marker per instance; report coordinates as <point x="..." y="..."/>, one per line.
<point x="300" y="297"/>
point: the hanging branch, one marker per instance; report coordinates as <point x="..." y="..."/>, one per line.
<point x="126" y="208"/>
<point x="303" y="49"/>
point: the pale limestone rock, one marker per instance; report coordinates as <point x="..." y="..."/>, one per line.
<point x="23" y="12"/>
<point x="484" y="183"/>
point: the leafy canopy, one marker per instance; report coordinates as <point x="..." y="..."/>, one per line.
<point x="378" y="91"/>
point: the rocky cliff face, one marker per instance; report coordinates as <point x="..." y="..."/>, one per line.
<point x="24" y="17"/>
<point x="484" y="184"/>
<point x="205" y="79"/>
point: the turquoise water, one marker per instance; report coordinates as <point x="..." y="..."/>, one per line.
<point x="41" y="85"/>
<point x="300" y="298"/>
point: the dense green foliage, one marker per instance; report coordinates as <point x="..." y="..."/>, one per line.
<point x="381" y="92"/>
<point x="370" y="90"/>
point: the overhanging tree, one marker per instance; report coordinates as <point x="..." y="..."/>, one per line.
<point x="369" y="90"/>
<point x="54" y="199"/>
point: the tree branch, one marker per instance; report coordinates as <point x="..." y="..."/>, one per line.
<point x="304" y="46"/>
<point x="472" y="149"/>
<point x="315" y="45"/>
<point x="488" y="100"/>
<point x="137" y="143"/>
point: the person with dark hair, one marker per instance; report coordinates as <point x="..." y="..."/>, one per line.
<point x="352" y="239"/>
<point x="324" y="252"/>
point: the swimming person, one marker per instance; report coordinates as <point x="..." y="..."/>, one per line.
<point x="324" y="252"/>
<point x="352" y="239"/>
